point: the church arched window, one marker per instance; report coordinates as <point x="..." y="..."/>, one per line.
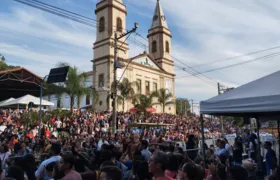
<point x="101" y="24"/>
<point x="119" y="24"/>
<point x="154" y="46"/>
<point x="167" y="47"/>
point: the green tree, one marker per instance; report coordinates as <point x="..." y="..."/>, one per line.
<point x="126" y="91"/>
<point x="75" y="85"/>
<point x="182" y="106"/>
<point x="164" y="98"/>
<point x="3" y="66"/>
<point x="142" y="102"/>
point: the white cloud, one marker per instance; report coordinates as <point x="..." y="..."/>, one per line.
<point x="203" y="31"/>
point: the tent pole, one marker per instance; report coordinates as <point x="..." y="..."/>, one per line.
<point x="203" y="139"/>
<point x="259" y="165"/>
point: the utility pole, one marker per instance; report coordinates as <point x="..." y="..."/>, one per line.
<point x="186" y="111"/>
<point x="116" y="38"/>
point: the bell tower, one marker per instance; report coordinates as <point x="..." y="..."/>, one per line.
<point x="111" y="17"/>
<point x="160" y="40"/>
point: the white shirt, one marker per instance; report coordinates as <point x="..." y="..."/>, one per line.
<point x="44" y="164"/>
<point x="100" y="143"/>
<point x="58" y="124"/>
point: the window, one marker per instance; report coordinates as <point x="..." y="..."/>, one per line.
<point x="100" y="103"/>
<point x="154" y="86"/>
<point x="147" y="84"/>
<point x="167" y="47"/>
<point x="101" y="24"/>
<point x="154" y="46"/>
<point x="119" y="25"/>
<point x="87" y="99"/>
<point x="58" y="103"/>
<point x="101" y="80"/>
<point x="139" y="86"/>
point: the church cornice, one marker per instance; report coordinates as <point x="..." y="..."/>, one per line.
<point x="159" y="32"/>
<point x="110" y="6"/>
<point x="166" y="59"/>
<point x="162" y="27"/>
<point x="152" y="59"/>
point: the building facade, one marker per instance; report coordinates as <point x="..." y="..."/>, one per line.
<point x="152" y="70"/>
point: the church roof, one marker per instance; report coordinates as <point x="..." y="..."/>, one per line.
<point x="159" y="18"/>
<point x="147" y="61"/>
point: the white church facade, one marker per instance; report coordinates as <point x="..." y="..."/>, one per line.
<point x="152" y="70"/>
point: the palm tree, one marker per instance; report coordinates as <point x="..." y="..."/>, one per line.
<point x="163" y="98"/>
<point x="95" y="97"/>
<point x="142" y="102"/>
<point x="75" y="86"/>
<point x="126" y="91"/>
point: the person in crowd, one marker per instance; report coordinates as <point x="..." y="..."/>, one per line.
<point x="270" y="158"/>
<point x="157" y="165"/>
<point x="251" y="169"/>
<point x="4" y="154"/>
<point x="110" y="172"/>
<point x="190" y="146"/>
<point x="228" y="147"/>
<point x="101" y="142"/>
<point x="222" y="152"/>
<point x="253" y="141"/>
<point x="237" y="173"/>
<point x="172" y="166"/>
<point x="145" y="151"/>
<point x="15" y="172"/>
<point x="66" y="165"/>
<point x="189" y="171"/>
<point x="237" y="153"/>
<point x="55" y="152"/>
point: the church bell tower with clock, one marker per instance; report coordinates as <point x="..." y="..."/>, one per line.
<point x="160" y="40"/>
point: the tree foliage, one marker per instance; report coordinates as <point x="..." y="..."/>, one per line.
<point x="126" y="91"/>
<point x="164" y="98"/>
<point x="182" y="106"/>
<point x="4" y="66"/>
<point x="142" y="102"/>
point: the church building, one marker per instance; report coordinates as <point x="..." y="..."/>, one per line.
<point x="152" y="70"/>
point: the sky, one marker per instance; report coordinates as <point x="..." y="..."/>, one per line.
<point x="203" y="31"/>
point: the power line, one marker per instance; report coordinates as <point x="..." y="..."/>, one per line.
<point x="237" y="64"/>
<point x="89" y="21"/>
<point x="61" y="14"/>
<point x="234" y="57"/>
<point x="189" y="69"/>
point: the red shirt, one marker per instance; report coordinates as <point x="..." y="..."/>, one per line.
<point x="48" y="133"/>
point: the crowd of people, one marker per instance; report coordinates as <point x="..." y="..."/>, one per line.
<point x="82" y="147"/>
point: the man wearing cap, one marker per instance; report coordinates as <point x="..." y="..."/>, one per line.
<point x="55" y="151"/>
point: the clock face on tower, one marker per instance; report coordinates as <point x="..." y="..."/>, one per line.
<point x="163" y="18"/>
<point x="155" y="18"/>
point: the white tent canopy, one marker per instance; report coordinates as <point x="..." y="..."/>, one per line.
<point x="7" y="100"/>
<point x="24" y="100"/>
<point x="259" y="96"/>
